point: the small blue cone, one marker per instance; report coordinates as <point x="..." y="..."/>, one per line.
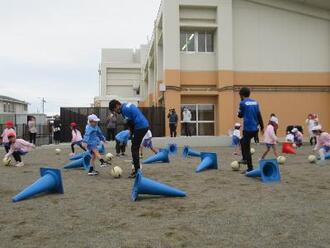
<point x="187" y="151"/>
<point x="268" y="170"/>
<point x="83" y="162"/>
<point x="161" y="156"/>
<point x="79" y="155"/>
<point x="209" y="161"/>
<point x="50" y="181"/>
<point x="101" y="149"/>
<point x="327" y="155"/>
<point x="143" y="185"/>
<point x="173" y="149"/>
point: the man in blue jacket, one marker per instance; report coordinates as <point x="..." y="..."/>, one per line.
<point x="138" y="125"/>
<point x="250" y="112"/>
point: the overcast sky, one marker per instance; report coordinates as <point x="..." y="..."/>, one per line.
<point x="52" y="49"/>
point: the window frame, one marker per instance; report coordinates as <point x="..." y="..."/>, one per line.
<point x="196" y="41"/>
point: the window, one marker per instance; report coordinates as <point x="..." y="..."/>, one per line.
<point x="8" y="107"/>
<point x="201" y="41"/>
<point x="203" y="119"/>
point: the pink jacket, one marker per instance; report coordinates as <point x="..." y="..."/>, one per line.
<point x="5" y="133"/>
<point x="322" y="140"/>
<point x="270" y="136"/>
<point x="76" y="136"/>
<point x="20" y="145"/>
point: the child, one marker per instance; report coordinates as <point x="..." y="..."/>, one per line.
<point x="93" y="137"/>
<point x="270" y="138"/>
<point x="4" y="136"/>
<point x="121" y="142"/>
<point x="76" y="138"/>
<point x="323" y="142"/>
<point x="236" y="137"/>
<point x="274" y="119"/>
<point x="147" y="143"/>
<point x="18" y="147"/>
<point x="289" y="138"/>
<point x="311" y="122"/>
<point x="298" y="137"/>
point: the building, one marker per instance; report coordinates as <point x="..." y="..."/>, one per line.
<point x="203" y="51"/>
<point x="9" y="105"/>
<point x="120" y="75"/>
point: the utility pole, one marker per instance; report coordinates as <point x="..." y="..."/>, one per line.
<point x="43" y="101"/>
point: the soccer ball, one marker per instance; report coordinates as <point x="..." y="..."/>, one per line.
<point x="6" y="161"/>
<point x="312" y="158"/>
<point x="281" y="160"/>
<point x="235" y="166"/>
<point x="57" y="151"/>
<point x="116" y="172"/>
<point x="252" y="151"/>
<point x="109" y="156"/>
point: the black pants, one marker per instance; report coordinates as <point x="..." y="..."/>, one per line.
<point x="256" y="138"/>
<point x="120" y="148"/>
<point x="7" y="147"/>
<point x="137" y="138"/>
<point x="246" y="146"/>
<point x="80" y="145"/>
<point x="17" y="157"/>
<point x="312" y="141"/>
<point x="186" y="129"/>
<point x="111" y="133"/>
<point x="173" y="129"/>
<point x="33" y="137"/>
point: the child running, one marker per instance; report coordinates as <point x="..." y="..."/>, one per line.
<point x="323" y="142"/>
<point x="147" y="143"/>
<point x="4" y="136"/>
<point x="76" y="138"/>
<point x="18" y="148"/>
<point x="270" y="138"/>
<point x="93" y="137"/>
<point x="236" y="137"/>
<point x="121" y="142"/>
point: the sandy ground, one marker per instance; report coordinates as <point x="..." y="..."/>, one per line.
<point x="223" y="208"/>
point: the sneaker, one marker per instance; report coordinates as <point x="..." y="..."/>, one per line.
<point x="123" y="154"/>
<point x="105" y="164"/>
<point x="245" y="171"/>
<point x="20" y="164"/>
<point x="132" y="175"/>
<point x="141" y="156"/>
<point x="93" y="173"/>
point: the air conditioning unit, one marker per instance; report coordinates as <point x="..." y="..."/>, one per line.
<point x="162" y="87"/>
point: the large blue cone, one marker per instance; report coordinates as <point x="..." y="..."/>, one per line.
<point x="79" y="155"/>
<point x="161" y="156"/>
<point x="173" y="149"/>
<point x="268" y="170"/>
<point x="209" y="161"/>
<point x="83" y="162"/>
<point x="143" y="185"/>
<point x="49" y="182"/>
<point x="187" y="151"/>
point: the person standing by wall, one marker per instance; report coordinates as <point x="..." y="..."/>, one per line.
<point x="250" y="112"/>
<point x="173" y="122"/>
<point x="32" y="126"/>
<point x="57" y="129"/>
<point x="186" y="114"/>
<point x="111" y="126"/>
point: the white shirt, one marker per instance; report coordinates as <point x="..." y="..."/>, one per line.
<point x="289" y="137"/>
<point x="311" y="123"/>
<point x="148" y="135"/>
<point x="186" y="116"/>
<point x="237" y="133"/>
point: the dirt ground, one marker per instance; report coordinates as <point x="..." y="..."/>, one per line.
<point x="223" y="208"/>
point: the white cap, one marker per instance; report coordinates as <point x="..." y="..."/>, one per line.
<point x="294" y="130"/>
<point x="237" y="124"/>
<point x="93" y="118"/>
<point x="316" y="128"/>
<point x="274" y="119"/>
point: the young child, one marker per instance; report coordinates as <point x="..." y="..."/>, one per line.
<point x="274" y="119"/>
<point x="93" y="137"/>
<point x="147" y="143"/>
<point x="289" y="138"/>
<point x="76" y="138"/>
<point x="236" y="137"/>
<point x="270" y="138"/>
<point x="298" y="137"/>
<point x="323" y="142"/>
<point x="311" y="122"/>
<point x="121" y="142"/>
<point x="18" y="147"/>
<point x="4" y="136"/>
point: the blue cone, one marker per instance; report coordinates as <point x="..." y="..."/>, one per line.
<point x="187" y="151"/>
<point x="79" y="155"/>
<point x="268" y="170"/>
<point x="327" y="155"/>
<point x="50" y="182"/>
<point x="173" y="149"/>
<point x="101" y="149"/>
<point x="143" y="185"/>
<point x="83" y="162"/>
<point x="209" y="161"/>
<point x="161" y="156"/>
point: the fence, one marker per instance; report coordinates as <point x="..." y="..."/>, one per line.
<point x="155" y="115"/>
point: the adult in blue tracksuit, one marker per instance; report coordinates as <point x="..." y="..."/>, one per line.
<point x="252" y="119"/>
<point x="137" y="124"/>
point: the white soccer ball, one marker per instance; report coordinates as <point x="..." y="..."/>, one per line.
<point x="109" y="156"/>
<point x="235" y="166"/>
<point x="116" y="172"/>
<point x="312" y="158"/>
<point x="6" y="161"/>
<point x="57" y="151"/>
<point x="281" y="160"/>
<point x="252" y="151"/>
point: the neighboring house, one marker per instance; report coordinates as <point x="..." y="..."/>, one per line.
<point x="120" y="75"/>
<point x="11" y="105"/>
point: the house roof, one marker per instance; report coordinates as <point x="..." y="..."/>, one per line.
<point x="10" y="99"/>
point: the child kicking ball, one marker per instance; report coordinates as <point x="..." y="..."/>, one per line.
<point x="147" y="143"/>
